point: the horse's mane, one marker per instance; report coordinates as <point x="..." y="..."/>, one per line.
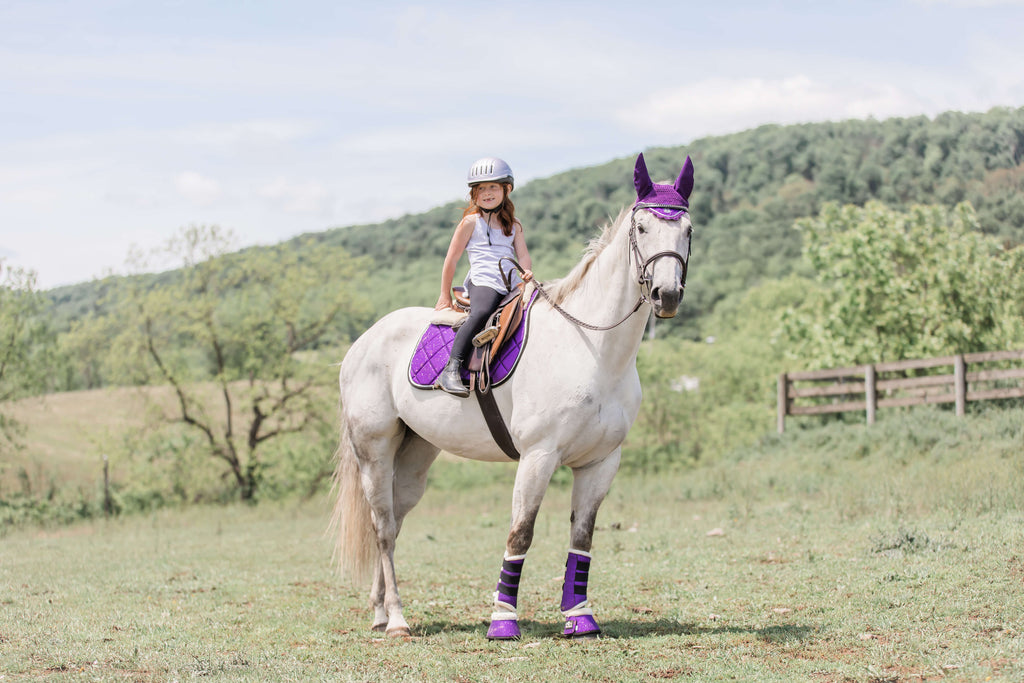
<point x="560" y="289"/>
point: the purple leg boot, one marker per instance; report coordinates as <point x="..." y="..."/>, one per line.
<point x="504" y="620"/>
<point x="579" y="618"/>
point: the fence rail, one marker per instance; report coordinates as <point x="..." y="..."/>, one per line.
<point x="883" y="385"/>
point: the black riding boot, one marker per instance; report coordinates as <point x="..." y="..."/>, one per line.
<point x="450" y="379"/>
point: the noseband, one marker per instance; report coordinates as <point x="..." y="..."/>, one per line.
<point x="643" y="277"/>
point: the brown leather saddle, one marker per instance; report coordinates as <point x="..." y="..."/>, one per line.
<point x="503" y="323"/>
<point x="507" y="318"/>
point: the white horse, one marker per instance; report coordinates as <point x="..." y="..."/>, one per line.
<point x="571" y="402"/>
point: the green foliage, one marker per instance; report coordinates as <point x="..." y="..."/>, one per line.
<point x="703" y="399"/>
<point x="234" y="333"/>
<point x="238" y="336"/>
<point x="905" y="285"/>
<point x="749" y="189"/>
<point x="921" y="460"/>
<point x="25" y="345"/>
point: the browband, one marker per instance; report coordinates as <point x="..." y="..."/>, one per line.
<point x="668" y="212"/>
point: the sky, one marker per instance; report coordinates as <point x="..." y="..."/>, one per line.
<point x="122" y="122"/>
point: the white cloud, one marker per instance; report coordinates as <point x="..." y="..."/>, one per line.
<point x="337" y="115"/>
<point x="452" y="136"/>
<point x="258" y="133"/>
<point x="1001" y="64"/>
<point x="197" y="188"/>
<point x="723" y="105"/>
<point x="303" y="198"/>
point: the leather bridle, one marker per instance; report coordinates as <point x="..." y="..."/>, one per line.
<point x="644" y="278"/>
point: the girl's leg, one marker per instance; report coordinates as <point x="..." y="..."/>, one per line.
<point x="482" y="301"/>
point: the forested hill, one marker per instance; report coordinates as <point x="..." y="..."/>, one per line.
<point x="749" y="189"/>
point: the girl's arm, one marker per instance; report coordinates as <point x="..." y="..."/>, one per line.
<point x="463" y="231"/>
<point x="522" y="253"/>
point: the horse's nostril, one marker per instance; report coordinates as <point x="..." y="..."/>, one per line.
<point x="656" y="294"/>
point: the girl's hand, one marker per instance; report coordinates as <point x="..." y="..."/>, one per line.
<point x="527" y="275"/>
<point x="444" y="303"/>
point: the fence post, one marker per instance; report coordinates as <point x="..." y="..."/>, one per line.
<point x="108" y="503"/>
<point x="869" y="392"/>
<point x="783" y="403"/>
<point x="960" y="379"/>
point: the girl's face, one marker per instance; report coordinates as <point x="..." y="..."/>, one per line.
<point x="489" y="195"/>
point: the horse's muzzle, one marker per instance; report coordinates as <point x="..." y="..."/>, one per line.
<point x="666" y="301"/>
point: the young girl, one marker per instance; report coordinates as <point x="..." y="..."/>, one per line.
<point x="489" y="231"/>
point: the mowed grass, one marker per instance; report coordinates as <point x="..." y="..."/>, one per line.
<point x="819" y="557"/>
<point x="68" y="434"/>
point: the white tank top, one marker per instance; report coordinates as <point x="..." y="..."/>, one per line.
<point x="486" y="248"/>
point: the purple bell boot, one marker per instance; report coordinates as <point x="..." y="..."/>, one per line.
<point x="579" y="618"/>
<point x="504" y="620"/>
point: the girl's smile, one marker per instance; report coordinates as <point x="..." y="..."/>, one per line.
<point x="490" y="196"/>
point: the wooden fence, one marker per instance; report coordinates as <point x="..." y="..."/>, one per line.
<point x="901" y="383"/>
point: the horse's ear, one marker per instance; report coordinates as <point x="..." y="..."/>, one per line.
<point x="684" y="183"/>
<point x="641" y="178"/>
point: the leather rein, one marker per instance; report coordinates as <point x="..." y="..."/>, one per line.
<point x="642" y="265"/>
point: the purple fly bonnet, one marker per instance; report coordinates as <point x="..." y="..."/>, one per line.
<point x="669" y="202"/>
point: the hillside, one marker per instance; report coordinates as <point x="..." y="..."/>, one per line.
<point x="750" y="187"/>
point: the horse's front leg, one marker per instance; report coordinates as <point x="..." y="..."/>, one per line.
<point x="590" y="486"/>
<point x="532" y="479"/>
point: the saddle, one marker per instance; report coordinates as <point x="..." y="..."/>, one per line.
<point x="494" y="357"/>
<point x="503" y="323"/>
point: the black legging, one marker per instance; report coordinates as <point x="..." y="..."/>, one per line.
<point x="482" y="303"/>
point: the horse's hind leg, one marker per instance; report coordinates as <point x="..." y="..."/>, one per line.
<point x="376" y="448"/>
<point x="413" y="460"/>
<point x="590" y="486"/>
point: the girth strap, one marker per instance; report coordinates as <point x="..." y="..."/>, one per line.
<point x="495" y="422"/>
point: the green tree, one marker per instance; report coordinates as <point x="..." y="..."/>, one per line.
<point x="703" y="399"/>
<point x="251" y="322"/>
<point x="24" y="344"/>
<point x="897" y="285"/>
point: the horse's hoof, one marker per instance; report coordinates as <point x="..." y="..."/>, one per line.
<point x="582" y="626"/>
<point x="399" y="632"/>
<point x="503" y="629"/>
<point x="379" y="628"/>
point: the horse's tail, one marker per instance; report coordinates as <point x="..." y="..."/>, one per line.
<point x="355" y="541"/>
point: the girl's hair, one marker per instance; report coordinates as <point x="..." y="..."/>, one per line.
<point x="506" y="212"/>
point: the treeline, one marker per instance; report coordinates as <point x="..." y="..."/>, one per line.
<point x="749" y="190"/>
<point x="918" y="216"/>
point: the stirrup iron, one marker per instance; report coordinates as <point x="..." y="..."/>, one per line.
<point x="485" y="336"/>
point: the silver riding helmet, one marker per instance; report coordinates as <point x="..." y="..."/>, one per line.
<point x="490" y="170"/>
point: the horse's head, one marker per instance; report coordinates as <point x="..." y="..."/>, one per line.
<point x="660" y="236"/>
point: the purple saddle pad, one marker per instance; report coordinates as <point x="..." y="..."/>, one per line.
<point x="435" y="347"/>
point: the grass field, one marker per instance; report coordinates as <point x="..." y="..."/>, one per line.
<point x="841" y="555"/>
<point x="69" y="433"/>
<point x="67" y="439"/>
